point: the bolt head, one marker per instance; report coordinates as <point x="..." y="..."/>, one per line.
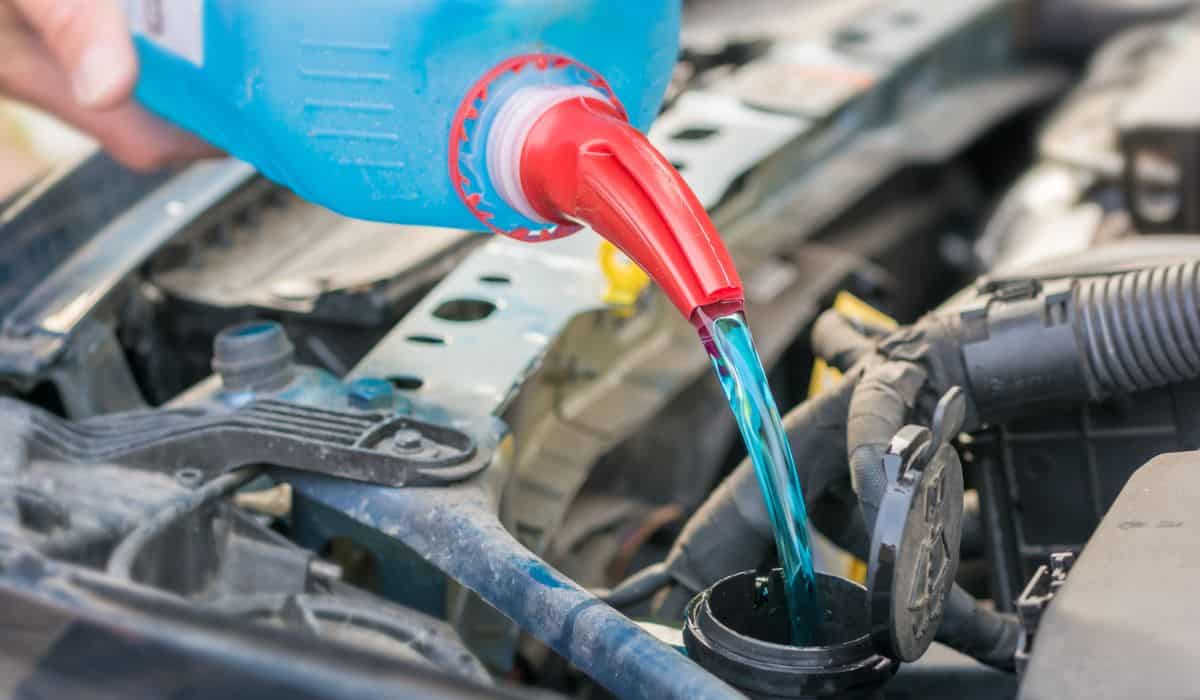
<point x="406" y="440"/>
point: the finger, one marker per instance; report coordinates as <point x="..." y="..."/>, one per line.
<point x="90" y="38"/>
<point x="131" y="134"/>
<point x="144" y="142"/>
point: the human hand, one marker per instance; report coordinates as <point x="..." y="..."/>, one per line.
<point x="75" y="59"/>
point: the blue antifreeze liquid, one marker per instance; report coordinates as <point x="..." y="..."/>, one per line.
<point x="728" y="342"/>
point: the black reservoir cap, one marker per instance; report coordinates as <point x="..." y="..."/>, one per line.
<point x="914" y="548"/>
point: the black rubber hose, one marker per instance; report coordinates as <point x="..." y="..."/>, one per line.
<point x="638" y="587"/>
<point x="1140" y="329"/>
<point x="722" y="537"/>
<point x="979" y="632"/>
<point x="836" y="340"/>
<point x="878" y="409"/>
<point x="121" y="562"/>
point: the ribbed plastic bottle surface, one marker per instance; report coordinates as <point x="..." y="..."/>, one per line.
<point x="351" y="103"/>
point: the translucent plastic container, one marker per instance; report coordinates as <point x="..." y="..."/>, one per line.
<point x="352" y="103"/>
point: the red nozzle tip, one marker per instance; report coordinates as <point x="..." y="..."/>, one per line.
<point x="702" y="316"/>
<point x="582" y="162"/>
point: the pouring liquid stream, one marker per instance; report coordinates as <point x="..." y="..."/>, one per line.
<point x="730" y="346"/>
<point x="581" y="162"/>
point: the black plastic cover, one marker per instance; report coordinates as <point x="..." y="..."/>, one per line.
<point x="1125" y="623"/>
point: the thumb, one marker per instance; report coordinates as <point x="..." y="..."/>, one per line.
<point x="90" y="39"/>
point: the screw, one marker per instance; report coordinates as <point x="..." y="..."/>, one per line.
<point x="406" y="440"/>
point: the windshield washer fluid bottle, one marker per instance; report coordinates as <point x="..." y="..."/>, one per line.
<point x="351" y="103"/>
<point x="523" y="117"/>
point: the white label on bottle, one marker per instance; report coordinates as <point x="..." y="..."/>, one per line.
<point x="175" y="25"/>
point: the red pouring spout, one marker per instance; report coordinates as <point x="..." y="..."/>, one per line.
<point x="583" y="163"/>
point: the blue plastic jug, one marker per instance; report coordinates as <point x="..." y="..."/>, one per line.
<point x="517" y="116"/>
<point x="353" y="104"/>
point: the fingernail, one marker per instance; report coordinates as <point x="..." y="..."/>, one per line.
<point x="98" y="75"/>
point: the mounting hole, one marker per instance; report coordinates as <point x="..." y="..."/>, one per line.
<point x="189" y="477"/>
<point x="852" y="37"/>
<point x="495" y="279"/>
<point x="464" y="310"/>
<point x="1157" y="180"/>
<point x="679" y="165"/>
<point x="426" y="339"/>
<point x="695" y="133"/>
<point x="406" y="382"/>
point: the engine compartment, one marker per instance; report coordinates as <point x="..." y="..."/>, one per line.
<point x="252" y="446"/>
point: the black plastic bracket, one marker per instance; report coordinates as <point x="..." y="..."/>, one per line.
<point x="1035" y="599"/>
<point x="372" y="447"/>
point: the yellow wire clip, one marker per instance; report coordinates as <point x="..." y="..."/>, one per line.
<point x="824" y="376"/>
<point x="850" y="306"/>
<point x="625" y="280"/>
